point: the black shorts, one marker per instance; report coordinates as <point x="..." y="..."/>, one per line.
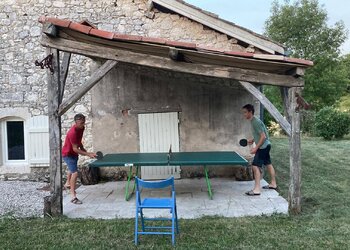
<point x="262" y="157"/>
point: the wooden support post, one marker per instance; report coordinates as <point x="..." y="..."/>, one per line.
<point x="294" y="194"/>
<point x="55" y="137"/>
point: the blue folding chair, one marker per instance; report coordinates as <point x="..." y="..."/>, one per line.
<point x="155" y="203"/>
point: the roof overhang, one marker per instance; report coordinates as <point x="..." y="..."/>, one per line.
<point x="83" y="39"/>
<point x="223" y="26"/>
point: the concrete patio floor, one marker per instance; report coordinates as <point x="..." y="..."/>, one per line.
<point x="106" y="200"/>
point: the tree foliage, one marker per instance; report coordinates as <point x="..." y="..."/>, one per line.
<point x="302" y="27"/>
<point x="331" y="123"/>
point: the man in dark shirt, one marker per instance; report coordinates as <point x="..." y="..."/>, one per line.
<point x="261" y="150"/>
<point x="72" y="148"/>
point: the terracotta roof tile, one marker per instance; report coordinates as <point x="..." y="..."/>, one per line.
<point x="55" y="21"/>
<point x="239" y="53"/>
<point x="211" y="49"/>
<point x="102" y="34"/>
<point x="153" y="40"/>
<point x="181" y="44"/>
<point x="87" y="28"/>
<point x="87" y="23"/>
<point x="300" y="61"/>
<point x="118" y="36"/>
<point x="79" y="27"/>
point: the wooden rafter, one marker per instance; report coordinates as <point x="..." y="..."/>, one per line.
<point x="64" y="73"/>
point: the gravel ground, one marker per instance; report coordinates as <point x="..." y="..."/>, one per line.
<point x="22" y="198"/>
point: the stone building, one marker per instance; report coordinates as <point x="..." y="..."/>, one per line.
<point x="202" y="111"/>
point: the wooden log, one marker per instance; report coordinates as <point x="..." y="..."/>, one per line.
<point x="294" y="193"/>
<point x="106" y="52"/>
<point x="81" y="91"/>
<point x="268" y="105"/>
<point x="55" y="136"/>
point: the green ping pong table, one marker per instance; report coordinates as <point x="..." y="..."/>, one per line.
<point x="137" y="160"/>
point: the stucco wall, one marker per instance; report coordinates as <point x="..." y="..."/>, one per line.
<point x="209" y="111"/>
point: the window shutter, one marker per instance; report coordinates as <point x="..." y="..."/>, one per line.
<point x="38" y="140"/>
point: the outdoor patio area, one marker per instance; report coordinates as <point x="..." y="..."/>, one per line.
<point x="107" y="200"/>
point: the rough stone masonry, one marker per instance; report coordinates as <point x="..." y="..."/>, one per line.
<point x="23" y="85"/>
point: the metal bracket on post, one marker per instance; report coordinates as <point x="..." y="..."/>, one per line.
<point x="301" y="103"/>
<point x="46" y="63"/>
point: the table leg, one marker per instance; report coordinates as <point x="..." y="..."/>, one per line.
<point x="127" y="195"/>
<point x="208" y="182"/>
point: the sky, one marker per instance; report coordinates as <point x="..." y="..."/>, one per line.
<point x="252" y="14"/>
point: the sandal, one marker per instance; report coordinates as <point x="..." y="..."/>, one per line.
<point x="65" y="187"/>
<point x="76" y="201"/>
<point x="269" y="187"/>
<point x="251" y="193"/>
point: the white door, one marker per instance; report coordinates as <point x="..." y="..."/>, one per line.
<point x="157" y="132"/>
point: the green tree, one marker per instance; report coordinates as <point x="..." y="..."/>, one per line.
<point x="344" y="102"/>
<point x="302" y="27"/>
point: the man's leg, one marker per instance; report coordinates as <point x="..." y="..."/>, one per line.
<point x="73" y="180"/>
<point x="272" y="174"/>
<point x="257" y="176"/>
<point x="67" y="184"/>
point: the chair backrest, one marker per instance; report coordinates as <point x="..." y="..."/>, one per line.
<point x="155" y="184"/>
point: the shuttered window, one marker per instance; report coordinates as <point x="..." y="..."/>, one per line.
<point x="24" y="143"/>
<point x="38" y="140"/>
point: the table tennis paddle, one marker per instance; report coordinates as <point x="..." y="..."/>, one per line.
<point x="243" y="142"/>
<point x="99" y="155"/>
<point x="169" y="153"/>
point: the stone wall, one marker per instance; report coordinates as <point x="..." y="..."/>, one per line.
<point x="23" y="85"/>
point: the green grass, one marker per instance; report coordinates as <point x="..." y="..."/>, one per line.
<point x="323" y="224"/>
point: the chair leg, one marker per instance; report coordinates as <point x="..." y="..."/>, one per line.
<point x="177" y="224"/>
<point x="142" y="220"/>
<point x="136" y="225"/>
<point x="173" y="226"/>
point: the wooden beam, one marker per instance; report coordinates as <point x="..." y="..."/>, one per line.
<point x="225" y="27"/>
<point x="106" y="52"/>
<point x="294" y="193"/>
<point x="64" y="73"/>
<point x="149" y="12"/>
<point x="296" y="72"/>
<point x="286" y="102"/>
<point x="55" y="137"/>
<point x="50" y="29"/>
<point x="174" y="54"/>
<point x="268" y="105"/>
<point x="95" y="78"/>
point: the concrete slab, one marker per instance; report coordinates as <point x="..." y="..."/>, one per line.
<point x="106" y="200"/>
